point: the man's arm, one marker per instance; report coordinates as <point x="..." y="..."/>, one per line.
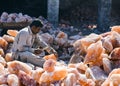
<point x="50" y="50"/>
<point x="46" y="47"/>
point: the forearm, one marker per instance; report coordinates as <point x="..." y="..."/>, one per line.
<point x="50" y="50"/>
<point x="45" y="46"/>
<point x="26" y="48"/>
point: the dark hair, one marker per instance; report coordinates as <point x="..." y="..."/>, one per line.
<point x="36" y="23"/>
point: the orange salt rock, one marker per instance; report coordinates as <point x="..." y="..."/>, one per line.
<point x="45" y="78"/>
<point x="70" y="65"/>
<point x="96" y="73"/>
<point x="116" y="29"/>
<point x="107" y="65"/>
<point x="3" y="43"/>
<point x="49" y="77"/>
<point x="2" y="69"/>
<point x="36" y="74"/>
<point x="75" y="71"/>
<point x="59" y="74"/>
<point x="3" y="79"/>
<point x="88" y="82"/>
<point x="15" y="66"/>
<point x="92" y="38"/>
<point x="106" y="83"/>
<point x="8" y="38"/>
<point x="26" y="79"/>
<point x="2" y="61"/>
<point x="115" y="54"/>
<point x="114" y="71"/>
<point x="52" y="73"/>
<point x="115" y="38"/>
<point x="1" y="52"/>
<point x="106" y="34"/>
<point x="49" y="65"/>
<point x="107" y="44"/>
<point x="115" y="79"/>
<point x="70" y="80"/>
<point x="81" y="67"/>
<point x="78" y="46"/>
<point x="3" y="85"/>
<point x="82" y="80"/>
<point x="12" y="32"/>
<point x="6" y="71"/>
<point x="61" y="64"/>
<point x="61" y="38"/>
<point x="8" y="57"/>
<point x="61" y="34"/>
<point x="93" y="55"/>
<point x="114" y="74"/>
<point x="47" y="38"/>
<point x="103" y="55"/>
<point x="13" y="80"/>
<point x="51" y="56"/>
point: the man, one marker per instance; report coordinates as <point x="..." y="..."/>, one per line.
<point x="27" y="45"/>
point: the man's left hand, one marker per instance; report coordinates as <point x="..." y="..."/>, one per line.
<point x="37" y="51"/>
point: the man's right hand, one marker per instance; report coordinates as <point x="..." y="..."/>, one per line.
<point x="37" y="51"/>
<point x="56" y="55"/>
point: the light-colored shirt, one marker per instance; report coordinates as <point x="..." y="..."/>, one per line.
<point x="25" y="39"/>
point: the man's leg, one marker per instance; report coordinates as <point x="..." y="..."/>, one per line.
<point x="32" y="58"/>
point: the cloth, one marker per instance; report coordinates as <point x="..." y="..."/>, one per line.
<point x="24" y="45"/>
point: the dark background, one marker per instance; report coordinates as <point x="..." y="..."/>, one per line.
<point x="33" y="8"/>
<point x="70" y="10"/>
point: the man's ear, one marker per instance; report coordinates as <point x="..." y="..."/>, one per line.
<point x="33" y="27"/>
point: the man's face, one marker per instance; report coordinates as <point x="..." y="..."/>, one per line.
<point x="35" y="29"/>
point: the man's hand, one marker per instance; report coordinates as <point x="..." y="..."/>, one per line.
<point x="55" y="53"/>
<point x="50" y="50"/>
<point x="37" y="51"/>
